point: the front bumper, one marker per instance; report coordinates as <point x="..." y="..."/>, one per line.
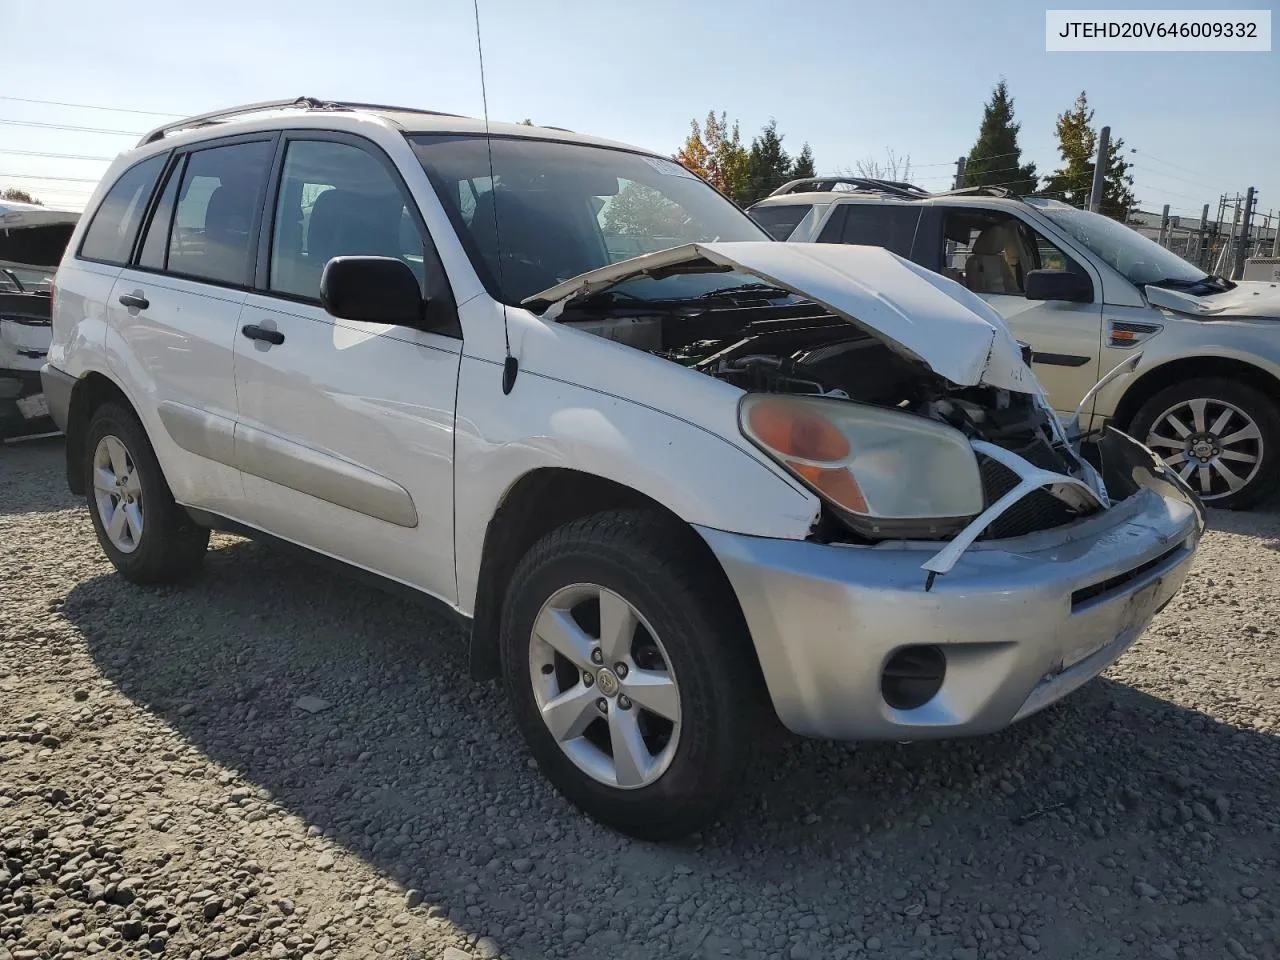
<point x="1021" y="623"/>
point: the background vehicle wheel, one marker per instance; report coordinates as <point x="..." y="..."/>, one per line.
<point x="148" y="537"/>
<point x="1223" y="438"/>
<point x="630" y="672"/>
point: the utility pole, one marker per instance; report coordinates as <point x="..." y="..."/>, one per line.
<point x="1243" y="250"/>
<point x="1100" y="168"/>
<point x="1202" y="253"/>
<point x="959" y="173"/>
<point x="1164" y="226"/>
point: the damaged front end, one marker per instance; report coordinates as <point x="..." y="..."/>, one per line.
<point x="895" y="395"/>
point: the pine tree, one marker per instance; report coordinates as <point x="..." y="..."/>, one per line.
<point x="803" y="166"/>
<point x="995" y="158"/>
<point x="768" y="165"/>
<point x="1077" y="144"/>
<point x="1117" y="183"/>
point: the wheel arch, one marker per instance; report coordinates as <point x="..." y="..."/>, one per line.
<point x="537" y="503"/>
<point x="1191" y="368"/>
<point x="90" y="392"/>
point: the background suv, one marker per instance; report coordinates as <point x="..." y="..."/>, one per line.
<point x="1086" y="293"/>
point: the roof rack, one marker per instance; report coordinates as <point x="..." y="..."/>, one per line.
<point x="305" y="103"/>
<point x="897" y="188"/>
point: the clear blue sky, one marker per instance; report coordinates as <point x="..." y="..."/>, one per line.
<point x="851" y="79"/>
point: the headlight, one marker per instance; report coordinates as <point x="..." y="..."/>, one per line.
<point x="887" y="472"/>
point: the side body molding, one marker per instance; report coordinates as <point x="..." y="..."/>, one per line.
<point x="313" y="472"/>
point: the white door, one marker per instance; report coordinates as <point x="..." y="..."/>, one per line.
<point x="991" y="252"/>
<point x="345" y="430"/>
<point x="176" y="309"/>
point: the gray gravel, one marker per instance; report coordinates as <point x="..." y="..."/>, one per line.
<point x="162" y="791"/>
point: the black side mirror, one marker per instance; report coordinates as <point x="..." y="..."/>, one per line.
<point x="1058" y="285"/>
<point x="373" y="289"/>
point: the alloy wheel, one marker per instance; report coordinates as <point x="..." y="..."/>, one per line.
<point x="604" y="686"/>
<point x="1213" y="445"/>
<point x="117" y="492"/>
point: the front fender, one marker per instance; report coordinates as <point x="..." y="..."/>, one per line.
<point x="700" y="476"/>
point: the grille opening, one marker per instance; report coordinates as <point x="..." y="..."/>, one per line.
<point x="1102" y="587"/>
<point x="1038" y="510"/>
<point x="912" y="677"/>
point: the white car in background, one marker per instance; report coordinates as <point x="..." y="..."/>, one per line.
<point x="33" y="239"/>
<point x="667" y="493"/>
<point x="1086" y="293"/>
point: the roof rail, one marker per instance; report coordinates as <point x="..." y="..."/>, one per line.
<point x="897" y="188"/>
<point x="307" y="103"/>
<point x="970" y="191"/>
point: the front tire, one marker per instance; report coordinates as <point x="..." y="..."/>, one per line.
<point x="147" y="537"/>
<point x="630" y="674"/>
<point x="1222" y="437"/>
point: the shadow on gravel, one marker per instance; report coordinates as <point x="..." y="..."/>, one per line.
<point x="43" y="460"/>
<point x="422" y="773"/>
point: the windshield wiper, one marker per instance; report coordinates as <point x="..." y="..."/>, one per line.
<point x="758" y="289"/>
<point x="1214" y="283"/>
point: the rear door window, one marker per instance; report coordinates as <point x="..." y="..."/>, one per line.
<point x="214" y="233"/>
<point x="115" y="223"/>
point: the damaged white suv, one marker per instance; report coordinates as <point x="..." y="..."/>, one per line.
<point x="673" y="474"/>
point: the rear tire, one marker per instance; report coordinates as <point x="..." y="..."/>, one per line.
<point x="684" y="627"/>
<point x="1223" y="436"/>
<point x="147" y="537"/>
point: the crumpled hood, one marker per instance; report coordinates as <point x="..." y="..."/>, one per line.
<point x="920" y="314"/>
<point x="1249" y="298"/>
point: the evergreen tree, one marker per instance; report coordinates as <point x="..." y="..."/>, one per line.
<point x="1078" y="147"/>
<point x="804" y="164"/>
<point x="1077" y="144"/>
<point x="995" y="158"/>
<point x="768" y="165"/>
<point x="1117" y="183"/>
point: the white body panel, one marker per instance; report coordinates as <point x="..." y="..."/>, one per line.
<point x="356" y="424"/>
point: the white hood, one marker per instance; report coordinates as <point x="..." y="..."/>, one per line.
<point x="1249" y="298"/>
<point x="920" y="314"/>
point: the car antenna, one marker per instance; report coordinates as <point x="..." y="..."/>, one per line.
<point x="510" y="366"/>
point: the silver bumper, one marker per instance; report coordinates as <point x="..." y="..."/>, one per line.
<point x="1021" y="623"/>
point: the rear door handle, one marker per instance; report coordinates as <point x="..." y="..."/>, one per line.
<point x="255" y="332"/>
<point x="136" y="300"/>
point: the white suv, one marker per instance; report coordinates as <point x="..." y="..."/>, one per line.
<point x="667" y="492"/>
<point x="1088" y="293"/>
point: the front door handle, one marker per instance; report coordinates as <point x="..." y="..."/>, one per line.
<point x="255" y="332"/>
<point x="134" y="300"/>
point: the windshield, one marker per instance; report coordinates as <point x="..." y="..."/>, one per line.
<point x="29" y="255"/>
<point x="552" y="211"/>
<point x="1139" y="259"/>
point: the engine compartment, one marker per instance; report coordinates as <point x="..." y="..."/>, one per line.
<point x="799" y="347"/>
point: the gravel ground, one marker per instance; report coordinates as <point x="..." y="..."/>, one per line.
<point x="162" y="793"/>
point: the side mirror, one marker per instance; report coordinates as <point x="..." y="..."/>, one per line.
<point x="1058" y="285"/>
<point x="373" y="289"/>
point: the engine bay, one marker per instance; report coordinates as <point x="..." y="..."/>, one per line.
<point x="799" y="347"/>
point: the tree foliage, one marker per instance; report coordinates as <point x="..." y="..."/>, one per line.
<point x="1078" y="145"/>
<point x="995" y="159"/>
<point x="18" y="195"/>
<point x="638" y="210"/>
<point x="714" y="151"/>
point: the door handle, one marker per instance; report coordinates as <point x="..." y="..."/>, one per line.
<point x="255" y="332"/>
<point x="134" y="300"/>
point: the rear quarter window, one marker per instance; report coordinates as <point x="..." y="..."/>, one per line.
<point x="115" y="223"/>
<point x="875" y="225"/>
<point x="780" y="220"/>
